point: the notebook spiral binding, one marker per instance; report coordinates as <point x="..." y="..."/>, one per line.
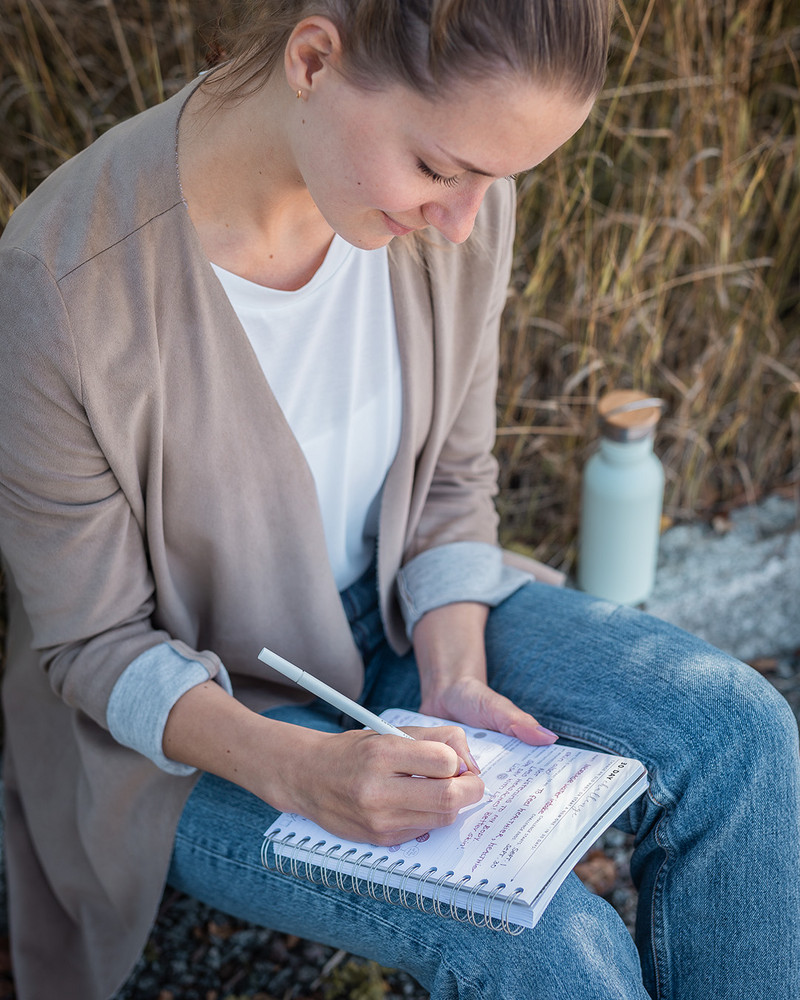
<point x="315" y="863"/>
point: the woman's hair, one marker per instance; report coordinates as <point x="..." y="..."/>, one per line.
<point x="430" y="44"/>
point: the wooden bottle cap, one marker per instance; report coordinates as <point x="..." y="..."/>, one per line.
<point x="628" y="414"/>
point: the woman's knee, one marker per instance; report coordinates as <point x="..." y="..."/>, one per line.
<point x="738" y="707"/>
<point x="727" y="737"/>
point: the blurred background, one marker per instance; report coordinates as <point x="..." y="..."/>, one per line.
<point x="658" y="250"/>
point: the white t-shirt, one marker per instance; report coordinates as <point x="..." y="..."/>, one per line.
<point x="329" y="353"/>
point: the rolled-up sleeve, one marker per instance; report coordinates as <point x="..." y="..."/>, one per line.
<point x="144" y="695"/>
<point x="460" y="571"/>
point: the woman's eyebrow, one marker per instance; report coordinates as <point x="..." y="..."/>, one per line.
<point x="463" y="163"/>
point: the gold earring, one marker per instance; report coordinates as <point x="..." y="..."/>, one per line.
<point x="299" y="95"/>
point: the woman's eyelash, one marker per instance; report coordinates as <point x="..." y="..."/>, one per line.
<point x="436" y="178"/>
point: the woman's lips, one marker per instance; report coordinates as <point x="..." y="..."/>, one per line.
<point x="397" y="228"/>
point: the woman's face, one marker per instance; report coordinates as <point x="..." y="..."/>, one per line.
<point x="379" y="164"/>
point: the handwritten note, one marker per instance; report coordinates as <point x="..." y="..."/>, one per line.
<point x="535" y="791"/>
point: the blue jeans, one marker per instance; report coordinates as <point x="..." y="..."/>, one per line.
<point x="717" y="836"/>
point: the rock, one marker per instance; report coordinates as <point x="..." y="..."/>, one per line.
<point x="738" y="588"/>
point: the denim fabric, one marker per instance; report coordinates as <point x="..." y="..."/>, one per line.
<point x="717" y="836"/>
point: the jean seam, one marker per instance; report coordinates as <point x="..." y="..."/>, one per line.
<point x="659" y="952"/>
<point x="198" y="848"/>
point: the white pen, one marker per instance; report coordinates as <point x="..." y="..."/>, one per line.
<point x="329" y="694"/>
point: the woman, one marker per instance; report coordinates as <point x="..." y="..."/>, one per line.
<point x="243" y="406"/>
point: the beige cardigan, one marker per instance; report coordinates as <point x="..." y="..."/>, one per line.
<point x="151" y="491"/>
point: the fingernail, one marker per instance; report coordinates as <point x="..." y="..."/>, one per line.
<point x="474" y="763"/>
<point x="462" y="768"/>
<point x="547" y="733"/>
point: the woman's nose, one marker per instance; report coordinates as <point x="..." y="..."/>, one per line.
<point x="453" y="213"/>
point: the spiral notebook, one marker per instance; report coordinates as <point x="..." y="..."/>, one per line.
<point x="500" y="863"/>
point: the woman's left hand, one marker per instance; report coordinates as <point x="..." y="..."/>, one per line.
<point x="474" y="703"/>
<point x="450" y="652"/>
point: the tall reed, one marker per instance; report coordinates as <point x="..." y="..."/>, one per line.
<point x="70" y="69"/>
<point x="660" y="250"/>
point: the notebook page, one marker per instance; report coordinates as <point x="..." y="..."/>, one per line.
<point x="510" y="836"/>
<point x="539" y="803"/>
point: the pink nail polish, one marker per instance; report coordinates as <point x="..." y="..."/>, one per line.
<point x="548" y="733"/>
<point x="474" y="763"/>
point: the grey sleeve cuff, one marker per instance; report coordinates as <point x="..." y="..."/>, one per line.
<point x="143" y="697"/>
<point x="458" y="571"/>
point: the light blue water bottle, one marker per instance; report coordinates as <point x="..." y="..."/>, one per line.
<point x="621" y="501"/>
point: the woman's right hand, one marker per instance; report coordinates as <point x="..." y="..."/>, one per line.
<point x="357" y="784"/>
<point x="377" y="788"/>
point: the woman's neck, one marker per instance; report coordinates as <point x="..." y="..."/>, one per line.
<point x="247" y="201"/>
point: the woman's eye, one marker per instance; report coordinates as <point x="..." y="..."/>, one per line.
<point x="436" y="178"/>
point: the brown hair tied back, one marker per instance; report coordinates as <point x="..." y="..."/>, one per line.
<point x="430" y="44"/>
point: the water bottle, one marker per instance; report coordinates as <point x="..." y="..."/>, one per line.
<point x="621" y="500"/>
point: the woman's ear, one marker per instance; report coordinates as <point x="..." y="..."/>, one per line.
<point x="313" y="47"/>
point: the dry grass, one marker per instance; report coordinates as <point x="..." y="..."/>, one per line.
<point x="660" y="249"/>
<point x="69" y="69"/>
